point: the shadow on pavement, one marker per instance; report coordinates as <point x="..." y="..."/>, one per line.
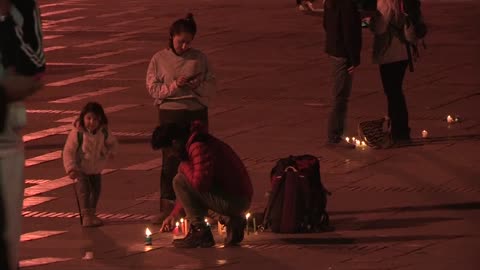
<point x="443" y="139"/>
<point x="367" y="239"/>
<point x="454" y="206"/>
<point x="378" y="224"/>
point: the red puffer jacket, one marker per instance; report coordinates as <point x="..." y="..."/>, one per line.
<point x="213" y="163"/>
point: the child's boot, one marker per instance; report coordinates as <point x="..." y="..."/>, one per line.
<point x="89" y="218"/>
<point x="95" y="220"/>
<point x="86" y="218"/>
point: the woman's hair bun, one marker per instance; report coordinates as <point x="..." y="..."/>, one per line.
<point x="189" y="16"/>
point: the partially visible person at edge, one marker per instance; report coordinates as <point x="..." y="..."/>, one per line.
<point x="212" y="177"/>
<point x="22" y="63"/>
<point x="181" y="82"/>
<point x="343" y="27"/>
<point x="390" y="53"/>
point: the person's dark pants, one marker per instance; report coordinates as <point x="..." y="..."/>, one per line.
<point x="170" y="163"/>
<point x="392" y="75"/>
<point x="342" y="87"/>
<point x="89" y="187"/>
<point x="196" y="204"/>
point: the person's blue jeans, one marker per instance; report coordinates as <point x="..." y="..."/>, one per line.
<point x="342" y="88"/>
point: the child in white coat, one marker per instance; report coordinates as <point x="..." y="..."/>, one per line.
<point x="88" y="147"/>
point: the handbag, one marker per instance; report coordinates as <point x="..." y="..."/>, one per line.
<point x="376" y="133"/>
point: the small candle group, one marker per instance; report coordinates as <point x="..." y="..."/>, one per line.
<point x="358" y="143"/>
<point x="452" y="120"/>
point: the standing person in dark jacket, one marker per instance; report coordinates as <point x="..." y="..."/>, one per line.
<point x="343" y="29"/>
<point x="22" y="63"/>
<point x="211" y="176"/>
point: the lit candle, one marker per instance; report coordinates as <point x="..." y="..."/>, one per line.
<point x="450" y="119"/>
<point x="176" y="231"/>
<point x="353" y="139"/>
<point x="220" y="228"/>
<point x="148" y="237"/>
<point x="347" y="139"/>
<point x="424" y="134"/>
<point x="357" y="142"/>
<point x="185" y="226"/>
<point x="182" y="225"/>
<point x="247" y="216"/>
<point x="364" y="144"/>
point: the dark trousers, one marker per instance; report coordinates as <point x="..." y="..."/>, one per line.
<point x="392" y="75"/>
<point x="89" y="188"/>
<point x="342" y="87"/>
<point x="170" y="163"/>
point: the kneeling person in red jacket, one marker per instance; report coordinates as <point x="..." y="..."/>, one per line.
<point x="211" y="176"/>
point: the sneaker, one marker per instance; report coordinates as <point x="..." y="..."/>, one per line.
<point x="235" y="231"/>
<point x="198" y="236"/>
<point x="340" y="144"/>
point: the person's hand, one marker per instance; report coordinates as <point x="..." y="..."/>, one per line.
<point x="18" y="87"/>
<point x="194" y="84"/>
<point x="73" y="174"/>
<point x="351" y="70"/>
<point x="168" y="224"/>
<point x="181" y="81"/>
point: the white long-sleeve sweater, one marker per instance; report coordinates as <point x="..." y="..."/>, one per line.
<point x="165" y="67"/>
<point x="92" y="157"/>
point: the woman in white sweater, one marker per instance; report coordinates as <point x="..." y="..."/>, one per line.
<point x="181" y="82"/>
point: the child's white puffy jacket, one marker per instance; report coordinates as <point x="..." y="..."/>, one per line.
<point x="91" y="157"/>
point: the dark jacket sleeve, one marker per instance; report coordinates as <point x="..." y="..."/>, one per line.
<point x="21" y="41"/>
<point x="352" y="31"/>
<point x="3" y="108"/>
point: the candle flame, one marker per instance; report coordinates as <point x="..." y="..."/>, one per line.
<point x="181" y="220"/>
<point x="206" y="220"/>
<point x="177" y="224"/>
<point x="364" y="144"/>
<point x="347" y="139"/>
<point x="247" y="215"/>
<point x="148" y="232"/>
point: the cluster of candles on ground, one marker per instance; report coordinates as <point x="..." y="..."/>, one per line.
<point x="181" y="229"/>
<point x="358" y="143"/>
<point x="450" y="121"/>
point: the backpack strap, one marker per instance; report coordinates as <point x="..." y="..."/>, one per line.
<point x="105" y="133"/>
<point x="79" y="140"/>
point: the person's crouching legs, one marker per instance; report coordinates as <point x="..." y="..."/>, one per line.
<point x="199" y="234"/>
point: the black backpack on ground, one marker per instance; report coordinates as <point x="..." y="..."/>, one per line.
<point x="298" y="199"/>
